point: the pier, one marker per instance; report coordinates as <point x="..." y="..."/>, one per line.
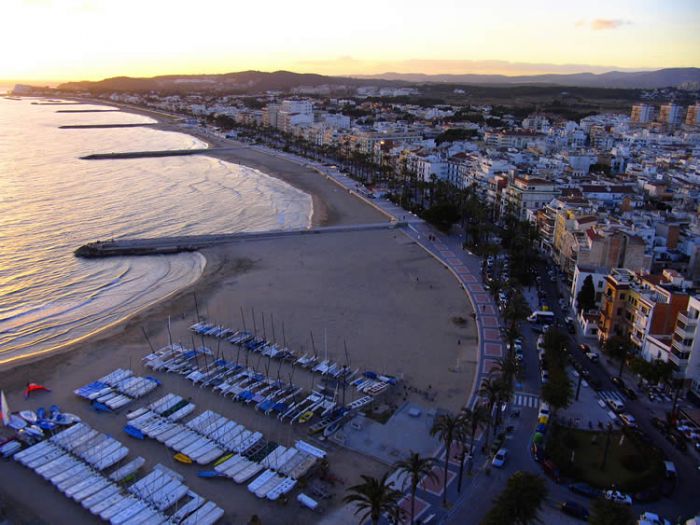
<point x="101" y="126"/>
<point x="191" y="243"/>
<point x="88" y="110"/>
<point x="146" y="154"/>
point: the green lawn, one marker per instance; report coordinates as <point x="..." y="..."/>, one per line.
<point x="630" y="466"/>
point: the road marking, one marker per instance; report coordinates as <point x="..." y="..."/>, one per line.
<point x="526" y="400"/>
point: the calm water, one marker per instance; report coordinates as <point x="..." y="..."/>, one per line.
<point x="51" y="202"/>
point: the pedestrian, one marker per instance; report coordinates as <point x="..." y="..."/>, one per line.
<point x="459" y="341"/>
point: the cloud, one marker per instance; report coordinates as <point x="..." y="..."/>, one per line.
<point x="601" y="24"/>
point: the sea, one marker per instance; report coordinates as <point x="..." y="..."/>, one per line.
<point x="52" y="202"/>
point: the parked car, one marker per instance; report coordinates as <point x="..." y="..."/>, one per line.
<point x="584" y="489"/>
<point x="500" y="458"/>
<point x="584" y="348"/>
<point x="618" y="497"/>
<point x="544" y="376"/>
<point x="650" y="518"/>
<point x="574" y="509"/>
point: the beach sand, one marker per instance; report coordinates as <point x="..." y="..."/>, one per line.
<point x="376" y="291"/>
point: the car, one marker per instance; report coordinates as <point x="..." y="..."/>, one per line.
<point x="574" y="509"/>
<point x="584" y="489"/>
<point x="544" y="410"/>
<point x="584" y="348"/>
<point x="596" y="384"/>
<point x="659" y="424"/>
<point x="618" y="497"/>
<point x="650" y="518"/>
<point x="649" y="495"/>
<point x="618" y="382"/>
<point x="677" y="441"/>
<point x="593" y="356"/>
<point x="631" y="394"/>
<point x="628" y="420"/>
<point x="500" y="458"/>
<point x="544" y="376"/>
<point x="615" y="404"/>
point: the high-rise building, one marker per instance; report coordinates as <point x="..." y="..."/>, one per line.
<point x="671" y="114"/>
<point x="692" y="118"/>
<point x="642" y="113"/>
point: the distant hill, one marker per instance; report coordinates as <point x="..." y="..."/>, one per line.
<point x="258" y="81"/>
<point x="671" y="77"/>
<point x="242" y="82"/>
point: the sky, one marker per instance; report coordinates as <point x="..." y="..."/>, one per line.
<point x="60" y="40"/>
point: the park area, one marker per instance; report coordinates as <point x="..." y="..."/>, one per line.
<point x="631" y="465"/>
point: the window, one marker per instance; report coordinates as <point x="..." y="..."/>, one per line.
<point x="619" y="311"/>
<point x="622" y="296"/>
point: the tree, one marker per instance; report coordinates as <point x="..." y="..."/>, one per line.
<point x="618" y="347"/>
<point x="442" y="215"/>
<point x="472" y="421"/>
<point x="490" y="389"/>
<point x="416" y="468"/>
<point x="520" y="501"/>
<point x="557" y="391"/>
<point x="605" y="512"/>
<point x="446" y="427"/>
<point x="585" y="299"/>
<point x="516" y="310"/>
<point x="654" y="372"/>
<point x="374" y="497"/>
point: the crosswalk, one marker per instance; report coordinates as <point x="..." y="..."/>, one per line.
<point x="526" y="400"/>
<point x="611" y="394"/>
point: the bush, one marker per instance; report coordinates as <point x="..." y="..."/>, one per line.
<point x="569" y="440"/>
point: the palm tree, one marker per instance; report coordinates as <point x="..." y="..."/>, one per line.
<point x="505" y="368"/>
<point x="517" y="310"/>
<point x="490" y="390"/>
<point x="416" y="467"/>
<point x="470" y="421"/>
<point x="375" y="497"/>
<point x="446" y="427"/>
<point x="479" y="415"/>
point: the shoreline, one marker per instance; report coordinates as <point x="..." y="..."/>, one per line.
<point x="318" y="217"/>
<point x="382" y="293"/>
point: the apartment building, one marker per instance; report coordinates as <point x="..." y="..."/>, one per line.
<point x="671" y="114"/>
<point x="692" y="117"/>
<point x="642" y="113"/>
<point x="525" y="195"/>
<point x="642" y="306"/>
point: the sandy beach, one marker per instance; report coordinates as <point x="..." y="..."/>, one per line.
<point x="377" y="292"/>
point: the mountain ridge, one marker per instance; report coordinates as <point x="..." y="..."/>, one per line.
<point x="246" y="81"/>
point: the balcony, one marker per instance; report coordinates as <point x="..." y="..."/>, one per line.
<point x="688" y="322"/>
<point x="682" y="346"/>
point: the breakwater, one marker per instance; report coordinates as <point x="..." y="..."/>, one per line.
<point x="102" y="126"/>
<point x="88" y="110"/>
<point x="190" y="243"/>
